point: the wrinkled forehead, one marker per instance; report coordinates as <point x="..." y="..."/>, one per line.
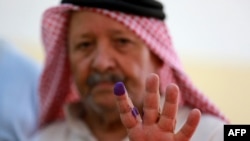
<point x="89" y="18"/>
<point x="85" y="21"/>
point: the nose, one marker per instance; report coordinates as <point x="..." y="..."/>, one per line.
<point x="103" y="59"/>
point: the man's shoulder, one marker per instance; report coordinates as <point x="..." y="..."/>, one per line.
<point x="55" y="132"/>
<point x="210" y="127"/>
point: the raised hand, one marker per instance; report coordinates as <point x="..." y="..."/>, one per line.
<point x="155" y="124"/>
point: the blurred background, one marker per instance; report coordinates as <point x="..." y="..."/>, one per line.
<point x="211" y="37"/>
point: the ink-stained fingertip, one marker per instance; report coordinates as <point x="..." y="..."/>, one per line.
<point x="119" y="89"/>
<point x="135" y="112"/>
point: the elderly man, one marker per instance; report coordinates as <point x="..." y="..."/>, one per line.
<point x="98" y="48"/>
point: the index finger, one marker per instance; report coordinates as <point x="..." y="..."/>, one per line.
<point x="129" y="114"/>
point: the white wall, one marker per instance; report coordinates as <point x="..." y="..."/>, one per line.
<point x="202" y="28"/>
<point x="20" y="19"/>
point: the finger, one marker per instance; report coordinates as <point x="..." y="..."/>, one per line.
<point x="191" y="124"/>
<point x="151" y="103"/>
<point x="129" y="114"/>
<point x="167" y="120"/>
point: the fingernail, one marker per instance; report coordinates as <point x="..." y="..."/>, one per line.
<point x="135" y="111"/>
<point x="119" y="89"/>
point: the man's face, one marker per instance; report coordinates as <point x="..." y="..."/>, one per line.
<point x="102" y="52"/>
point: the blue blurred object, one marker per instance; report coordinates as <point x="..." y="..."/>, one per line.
<point x="19" y="78"/>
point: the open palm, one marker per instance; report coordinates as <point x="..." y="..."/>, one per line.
<point x="155" y="125"/>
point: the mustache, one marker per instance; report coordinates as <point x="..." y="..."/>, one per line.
<point x="97" y="77"/>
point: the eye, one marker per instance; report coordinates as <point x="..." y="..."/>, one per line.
<point x="122" y="42"/>
<point x="85" y="45"/>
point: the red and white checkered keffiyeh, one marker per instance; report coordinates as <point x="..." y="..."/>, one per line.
<point x="56" y="86"/>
